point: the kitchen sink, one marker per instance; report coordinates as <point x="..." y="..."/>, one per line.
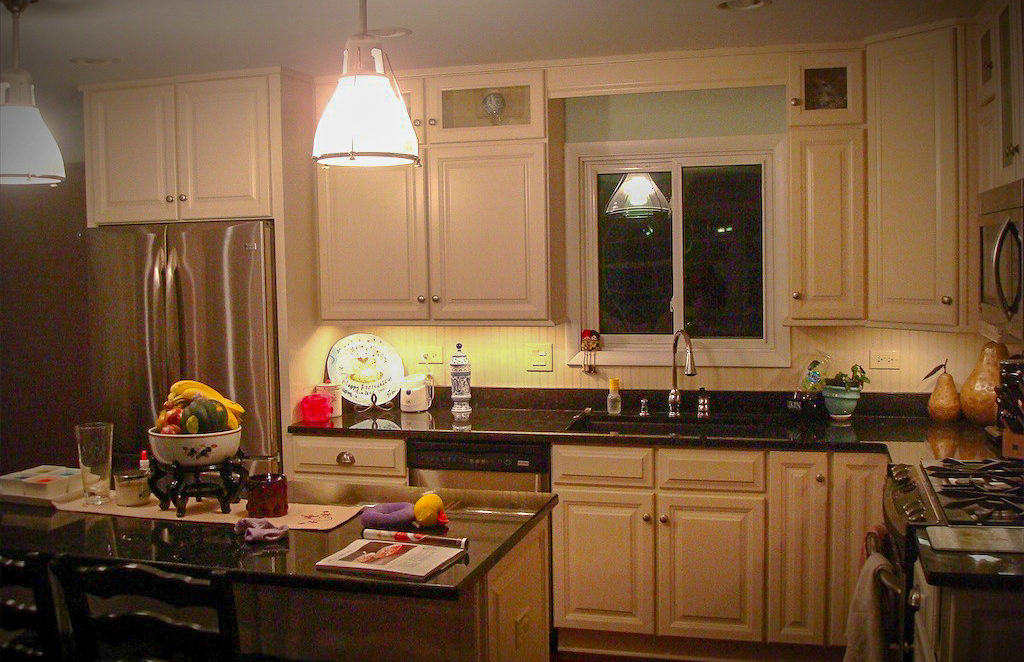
<point x="720" y="426"/>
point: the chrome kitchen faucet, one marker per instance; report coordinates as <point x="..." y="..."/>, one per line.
<point x="688" y="368"/>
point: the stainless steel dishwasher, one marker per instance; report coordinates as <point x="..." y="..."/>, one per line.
<point x="514" y="466"/>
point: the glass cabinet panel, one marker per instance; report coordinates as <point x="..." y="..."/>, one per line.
<point x="486" y="106"/>
<point x="826" y="88"/>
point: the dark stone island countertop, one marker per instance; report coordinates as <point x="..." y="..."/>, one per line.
<point x="494" y="522"/>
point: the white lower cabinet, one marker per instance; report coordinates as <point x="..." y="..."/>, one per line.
<point x="621" y="554"/>
<point x="363" y="460"/>
<point x="685" y="545"/>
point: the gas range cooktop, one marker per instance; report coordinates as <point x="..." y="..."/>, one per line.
<point x="984" y="492"/>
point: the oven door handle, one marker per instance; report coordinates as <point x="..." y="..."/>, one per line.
<point x="996" y="257"/>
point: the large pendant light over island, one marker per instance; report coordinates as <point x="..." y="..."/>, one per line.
<point x="28" y="152"/>
<point x="365" y="122"/>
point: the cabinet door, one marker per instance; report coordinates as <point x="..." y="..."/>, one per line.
<point x="412" y="94"/>
<point x="518" y="621"/>
<point x="602" y="547"/>
<point x="989" y="141"/>
<point x="487" y="106"/>
<point x="373" y="243"/>
<point x="826" y="87"/>
<point x="827" y="223"/>
<point x="914" y="208"/>
<point x="711" y="566"/>
<point x="488" y="232"/>
<point x="856" y="505"/>
<point x="1010" y="94"/>
<point x="130" y="160"/>
<point x="797" y="546"/>
<point x="224" y="148"/>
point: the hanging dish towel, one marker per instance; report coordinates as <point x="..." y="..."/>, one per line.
<point x="865" y="634"/>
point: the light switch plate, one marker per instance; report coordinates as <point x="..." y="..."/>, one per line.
<point x="884" y="359"/>
<point x="539" y="357"/>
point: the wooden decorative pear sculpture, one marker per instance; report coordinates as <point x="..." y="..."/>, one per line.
<point x="978" y="394"/>
<point x="944" y="403"/>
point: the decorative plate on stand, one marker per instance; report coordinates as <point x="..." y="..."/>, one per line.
<point x="367" y="367"/>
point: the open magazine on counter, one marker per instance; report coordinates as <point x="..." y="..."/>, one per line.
<point x="396" y="553"/>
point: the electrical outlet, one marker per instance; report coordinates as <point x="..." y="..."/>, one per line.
<point x="884" y="359"/>
<point x="430" y="354"/>
<point x="538" y="357"/>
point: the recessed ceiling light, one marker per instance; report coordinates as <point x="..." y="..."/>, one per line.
<point x="96" y="60"/>
<point x="744" y="4"/>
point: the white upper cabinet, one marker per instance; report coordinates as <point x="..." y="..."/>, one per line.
<point x="185" y="151"/>
<point x="915" y="208"/>
<point x="485" y="106"/>
<point x="826" y="234"/>
<point x="826" y="87"/>
<point x="999" y="60"/>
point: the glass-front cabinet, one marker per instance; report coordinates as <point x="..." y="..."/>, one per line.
<point x="486" y="106"/>
<point x="826" y="87"/>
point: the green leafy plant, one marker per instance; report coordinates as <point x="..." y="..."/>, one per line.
<point x="856" y="379"/>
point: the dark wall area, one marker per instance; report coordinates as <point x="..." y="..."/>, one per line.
<point x="44" y="326"/>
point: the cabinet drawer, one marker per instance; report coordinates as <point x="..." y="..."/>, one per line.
<point x="602" y="465"/>
<point x="350" y="456"/>
<point x="699" y="469"/>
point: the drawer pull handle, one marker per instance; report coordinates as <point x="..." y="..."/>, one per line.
<point x="663" y="519"/>
<point x="795" y="101"/>
<point x="646" y="517"/>
<point x="820" y="478"/>
<point x="344" y="457"/>
<point x="947" y="301"/>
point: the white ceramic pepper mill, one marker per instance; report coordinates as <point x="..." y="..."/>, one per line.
<point x="459" y="367"/>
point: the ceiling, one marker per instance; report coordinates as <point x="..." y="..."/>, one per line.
<point x="153" y="38"/>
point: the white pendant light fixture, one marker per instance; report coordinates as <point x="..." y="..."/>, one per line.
<point x="637" y="196"/>
<point x="28" y="152"/>
<point x="366" y="122"/>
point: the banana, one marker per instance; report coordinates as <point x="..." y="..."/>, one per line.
<point x="189" y="388"/>
<point x="232" y="419"/>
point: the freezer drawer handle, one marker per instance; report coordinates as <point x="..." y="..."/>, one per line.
<point x="344" y="457"/>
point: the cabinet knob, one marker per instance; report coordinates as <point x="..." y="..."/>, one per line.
<point x="417" y="122"/>
<point x="169" y="198"/>
<point x="182" y="197"/>
<point x="946" y="301"/>
<point x="432" y="122"/>
<point x="1012" y="150"/>
<point x="663" y="519"/>
<point x="820" y="478"/>
<point x="646" y="517"/>
<point x="344" y="457"/>
<point x="795" y="101"/>
<point x="988" y="65"/>
<point x="435" y="298"/>
<point x="421" y="298"/>
<point x="795" y="295"/>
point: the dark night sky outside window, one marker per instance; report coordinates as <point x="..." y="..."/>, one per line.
<point x="722" y="258"/>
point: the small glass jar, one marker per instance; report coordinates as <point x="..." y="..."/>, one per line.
<point x="268" y="495"/>
<point x="131" y="488"/>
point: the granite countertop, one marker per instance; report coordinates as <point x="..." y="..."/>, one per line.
<point x="494" y="522"/>
<point x="896" y="424"/>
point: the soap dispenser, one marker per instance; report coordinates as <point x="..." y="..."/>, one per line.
<point x="460" y="370"/>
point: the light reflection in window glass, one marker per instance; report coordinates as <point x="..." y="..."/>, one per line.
<point x="635" y="263"/>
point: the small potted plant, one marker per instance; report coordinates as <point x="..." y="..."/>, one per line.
<point x="842" y="392"/>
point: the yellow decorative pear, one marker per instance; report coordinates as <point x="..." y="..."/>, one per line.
<point x="944" y="402"/>
<point x="978" y="394"/>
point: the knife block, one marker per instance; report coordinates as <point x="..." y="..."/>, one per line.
<point x="1013" y="444"/>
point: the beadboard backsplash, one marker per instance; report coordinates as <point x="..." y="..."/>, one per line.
<point x="498" y="356"/>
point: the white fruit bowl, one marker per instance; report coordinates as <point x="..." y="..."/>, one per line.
<point x="194" y="450"/>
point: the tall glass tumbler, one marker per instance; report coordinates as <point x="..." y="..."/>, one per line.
<point x="95" y="444"/>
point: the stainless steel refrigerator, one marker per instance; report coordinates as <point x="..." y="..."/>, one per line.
<point x="177" y="301"/>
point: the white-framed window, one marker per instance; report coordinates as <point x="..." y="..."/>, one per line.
<point x="713" y="262"/>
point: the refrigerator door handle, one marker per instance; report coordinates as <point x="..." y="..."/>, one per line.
<point x="173" y="315"/>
